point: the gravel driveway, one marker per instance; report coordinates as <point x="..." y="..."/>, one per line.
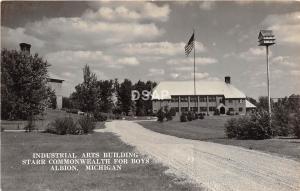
<point x="211" y="165"/>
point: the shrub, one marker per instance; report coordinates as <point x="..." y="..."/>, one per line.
<point x="296" y="124"/>
<point x="191" y="116"/>
<point x="201" y="116"/>
<point x="217" y="112"/>
<point x="170" y="113"/>
<point x="64" y="126"/>
<point x="98" y="116"/>
<point x="87" y="124"/>
<point x="160" y="115"/>
<point x="255" y="126"/>
<point x="30" y="126"/>
<point x="183" y="117"/>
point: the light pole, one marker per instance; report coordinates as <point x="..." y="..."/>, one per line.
<point x="266" y="38"/>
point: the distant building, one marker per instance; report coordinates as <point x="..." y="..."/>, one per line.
<point x="210" y="96"/>
<point x="54" y="84"/>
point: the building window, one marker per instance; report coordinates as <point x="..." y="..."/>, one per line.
<point x="174" y="99"/>
<point x="212" y="108"/>
<point x="230" y="101"/>
<point x="240" y="109"/>
<point x="202" y="99"/>
<point x="184" y="99"/>
<point x="184" y="109"/>
<point x="193" y="99"/>
<point x="176" y="109"/>
<point x="241" y="101"/>
<point x="203" y="109"/>
<point x="211" y="99"/>
<point x="195" y="109"/>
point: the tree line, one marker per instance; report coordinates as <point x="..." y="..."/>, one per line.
<point x="109" y="96"/>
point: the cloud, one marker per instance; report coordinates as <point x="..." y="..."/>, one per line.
<point x="146" y="11"/>
<point x="286" y="27"/>
<point x="199" y="60"/>
<point x="76" y="59"/>
<point x="12" y="37"/>
<point x="156" y="72"/>
<point x="253" y="53"/>
<point x="283" y="60"/>
<point x="295" y="73"/>
<point x="207" y="5"/>
<point x="157" y="48"/>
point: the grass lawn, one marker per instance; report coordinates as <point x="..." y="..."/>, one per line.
<point x="212" y="129"/>
<point x="18" y="146"/>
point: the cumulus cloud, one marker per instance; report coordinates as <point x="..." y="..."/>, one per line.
<point x="253" y="53"/>
<point x="283" y="60"/>
<point x="199" y="60"/>
<point x="285" y="26"/>
<point x="156" y="72"/>
<point x="146" y="11"/>
<point x="157" y="48"/>
<point x="295" y="72"/>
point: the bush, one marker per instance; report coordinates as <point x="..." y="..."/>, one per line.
<point x="201" y="116"/>
<point x="217" y="112"/>
<point x="191" y="116"/>
<point x="98" y="116"/>
<point x="183" y="117"/>
<point x="30" y="126"/>
<point x="87" y="124"/>
<point x="296" y="124"/>
<point x="62" y="126"/>
<point x="255" y="126"/>
<point x="160" y="115"/>
<point x="170" y="113"/>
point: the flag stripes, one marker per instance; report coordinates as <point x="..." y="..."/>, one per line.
<point x="189" y="46"/>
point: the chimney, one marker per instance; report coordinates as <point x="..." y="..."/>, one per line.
<point x="227" y="79"/>
<point x="25" y="48"/>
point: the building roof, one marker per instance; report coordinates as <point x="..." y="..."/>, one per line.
<point x="55" y="80"/>
<point x="249" y="104"/>
<point x="165" y="89"/>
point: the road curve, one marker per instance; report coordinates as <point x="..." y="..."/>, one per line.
<point x="211" y="165"/>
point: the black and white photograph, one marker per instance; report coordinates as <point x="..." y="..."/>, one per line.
<point x="150" y="95"/>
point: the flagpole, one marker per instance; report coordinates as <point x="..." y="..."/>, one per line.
<point x="194" y="64"/>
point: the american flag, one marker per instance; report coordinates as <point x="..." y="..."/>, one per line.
<point x="189" y="46"/>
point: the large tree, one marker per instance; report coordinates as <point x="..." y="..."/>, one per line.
<point x="124" y="96"/>
<point x="23" y="85"/>
<point x="85" y="95"/>
<point x="105" y="90"/>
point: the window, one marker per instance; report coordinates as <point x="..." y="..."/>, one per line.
<point x="184" y="99"/>
<point x="241" y="100"/>
<point x="211" y="99"/>
<point x="230" y="101"/>
<point x="212" y="108"/>
<point x="175" y="99"/>
<point x="176" y="109"/>
<point x="202" y="99"/>
<point x="194" y="109"/>
<point x="184" y="109"/>
<point x="203" y="109"/>
<point x="240" y="109"/>
<point x="193" y="99"/>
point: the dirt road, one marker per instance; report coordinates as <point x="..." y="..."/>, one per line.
<point x="213" y="166"/>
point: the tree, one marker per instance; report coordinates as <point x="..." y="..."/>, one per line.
<point x="52" y="102"/>
<point x="105" y="92"/>
<point x="124" y="96"/>
<point x="85" y="94"/>
<point x="23" y="85"/>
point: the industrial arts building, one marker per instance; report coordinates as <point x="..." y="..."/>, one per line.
<point x="210" y="96"/>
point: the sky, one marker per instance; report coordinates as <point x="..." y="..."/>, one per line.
<point x="145" y="41"/>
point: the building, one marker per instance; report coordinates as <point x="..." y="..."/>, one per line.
<point x="210" y="96"/>
<point x="54" y="84"/>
